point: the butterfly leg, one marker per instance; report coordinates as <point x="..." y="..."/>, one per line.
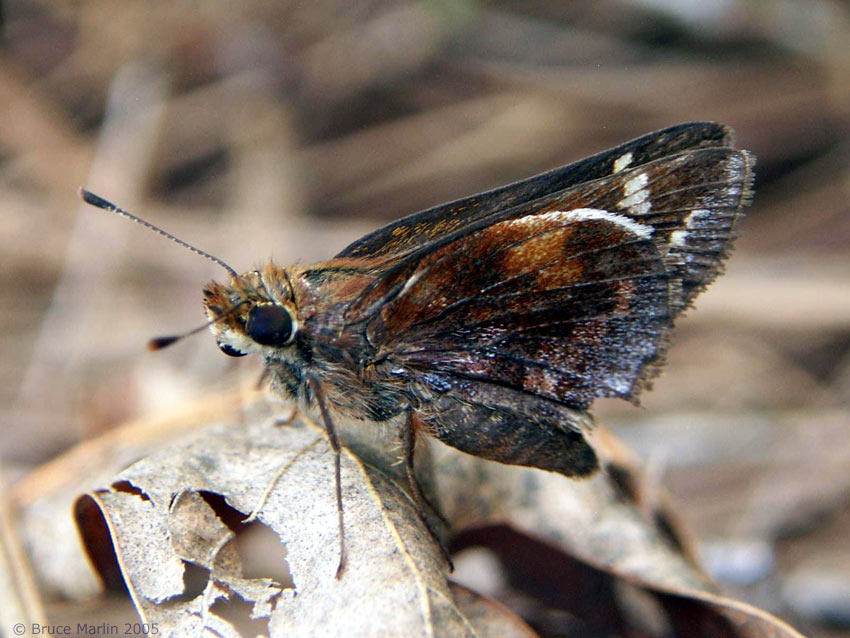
<point x="419" y="498"/>
<point x="319" y="393"/>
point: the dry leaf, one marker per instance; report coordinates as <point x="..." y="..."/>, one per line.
<point x="571" y="547"/>
<point x="167" y="512"/>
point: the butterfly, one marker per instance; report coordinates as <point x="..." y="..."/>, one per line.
<point x="493" y="322"/>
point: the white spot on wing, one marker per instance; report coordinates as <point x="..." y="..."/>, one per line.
<point x="581" y="214"/>
<point x="635" y="184"/>
<point x="411" y="281"/>
<point x="696" y="216"/>
<point x="691" y="222"/>
<point x="636" y="195"/>
<point x="622" y="162"/>
<point x="637" y="204"/>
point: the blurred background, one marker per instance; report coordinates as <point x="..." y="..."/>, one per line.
<point x="285" y="130"/>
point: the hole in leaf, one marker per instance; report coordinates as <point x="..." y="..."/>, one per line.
<point x="127" y="487"/>
<point x="261" y="551"/>
<point x="195" y="579"/>
<point x="229" y="515"/>
<point x="263" y="554"/>
<point x="237" y="611"/>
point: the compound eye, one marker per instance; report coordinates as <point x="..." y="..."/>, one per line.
<point x="230" y="351"/>
<point x="270" y="325"/>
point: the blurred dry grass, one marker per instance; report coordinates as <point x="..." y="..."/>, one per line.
<point x="286" y="129"/>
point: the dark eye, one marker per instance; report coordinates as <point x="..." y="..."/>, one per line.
<point x="269" y="325"/>
<point x="230" y="351"/>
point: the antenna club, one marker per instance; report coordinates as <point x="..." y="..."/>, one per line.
<point x="158" y="343"/>
<point x="90" y="198"/>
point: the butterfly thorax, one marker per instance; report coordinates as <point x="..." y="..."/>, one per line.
<point x="295" y="317"/>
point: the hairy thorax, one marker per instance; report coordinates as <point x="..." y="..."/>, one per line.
<point x="314" y="335"/>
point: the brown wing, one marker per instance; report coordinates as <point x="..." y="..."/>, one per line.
<point x="507" y="329"/>
<point x="565" y="305"/>
<point x="488" y="278"/>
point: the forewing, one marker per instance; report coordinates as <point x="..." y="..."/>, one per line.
<point x="434" y="223"/>
<point x="691" y="202"/>
<point x="570" y="296"/>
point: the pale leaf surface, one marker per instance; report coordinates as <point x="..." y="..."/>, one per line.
<point x="178" y="512"/>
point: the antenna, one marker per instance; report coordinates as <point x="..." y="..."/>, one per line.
<point x="90" y="198"/>
<point x="158" y="343"/>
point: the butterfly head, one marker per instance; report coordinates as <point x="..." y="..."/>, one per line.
<point x="252" y="312"/>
